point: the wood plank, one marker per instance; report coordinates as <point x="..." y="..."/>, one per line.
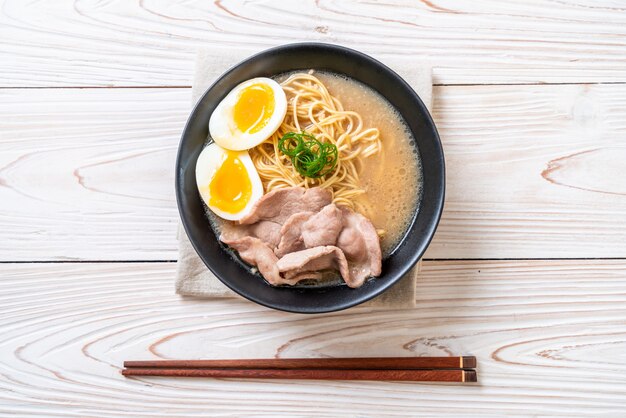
<point x="89" y="174"/>
<point x="549" y="338"/>
<point x="150" y="43"/>
<point x="533" y="172"/>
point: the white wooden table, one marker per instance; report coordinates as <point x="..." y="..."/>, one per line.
<point x="527" y="271"/>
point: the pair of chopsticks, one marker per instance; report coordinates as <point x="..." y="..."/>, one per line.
<point x="413" y="369"/>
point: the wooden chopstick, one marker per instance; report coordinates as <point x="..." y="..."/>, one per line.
<point x="412" y="375"/>
<point x="370" y="363"/>
<point x="411" y="369"/>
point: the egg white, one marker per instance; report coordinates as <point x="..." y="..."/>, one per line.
<point x="209" y="160"/>
<point x="222" y="126"/>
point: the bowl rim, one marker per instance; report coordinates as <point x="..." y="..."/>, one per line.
<point x="437" y="205"/>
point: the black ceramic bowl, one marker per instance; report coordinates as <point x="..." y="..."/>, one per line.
<point x="357" y="66"/>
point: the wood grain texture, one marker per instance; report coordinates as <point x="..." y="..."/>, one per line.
<point x="532" y="172"/>
<point x="549" y="338"/>
<point x="152" y="43"/>
<point x="82" y="172"/>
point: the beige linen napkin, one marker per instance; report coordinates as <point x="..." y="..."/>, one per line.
<point x="193" y="278"/>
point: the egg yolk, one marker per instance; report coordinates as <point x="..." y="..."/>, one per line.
<point x="254" y="108"/>
<point x="230" y="188"/>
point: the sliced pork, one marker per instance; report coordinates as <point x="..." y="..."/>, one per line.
<point x="266" y="231"/>
<point x="296" y="278"/>
<point x="255" y="252"/>
<point x="297" y="234"/>
<point x="315" y="259"/>
<point x="278" y="205"/>
<point x="323" y="228"/>
<point x="359" y="241"/>
<point x="291" y="233"/>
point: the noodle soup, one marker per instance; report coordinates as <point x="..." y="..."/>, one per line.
<point x="339" y="180"/>
<point x="389" y="184"/>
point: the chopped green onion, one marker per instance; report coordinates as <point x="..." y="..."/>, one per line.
<point x="309" y="156"/>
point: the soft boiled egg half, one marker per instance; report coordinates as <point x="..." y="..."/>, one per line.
<point x="228" y="182"/>
<point x="249" y="114"/>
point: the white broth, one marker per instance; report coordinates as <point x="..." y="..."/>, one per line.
<point x="392" y="178"/>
